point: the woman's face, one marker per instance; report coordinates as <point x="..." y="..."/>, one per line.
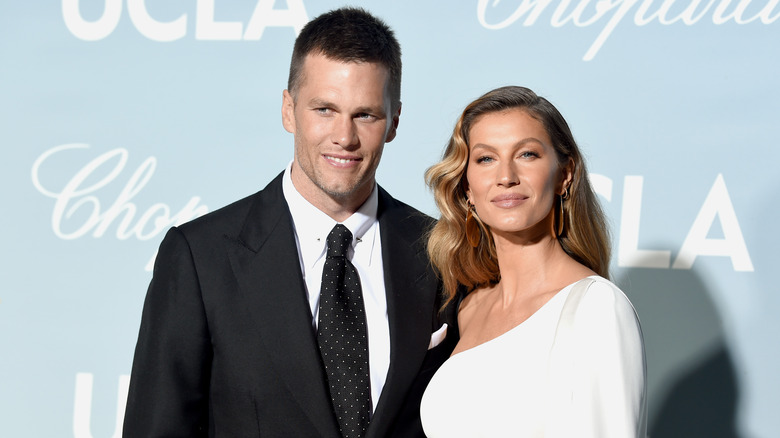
<point x="513" y="172"/>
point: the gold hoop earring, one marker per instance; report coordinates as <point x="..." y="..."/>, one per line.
<point x="473" y="232"/>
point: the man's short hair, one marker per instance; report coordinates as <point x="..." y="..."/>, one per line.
<point x="349" y="35"/>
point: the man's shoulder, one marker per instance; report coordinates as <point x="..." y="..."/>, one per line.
<point x="230" y="218"/>
<point x="394" y="211"/>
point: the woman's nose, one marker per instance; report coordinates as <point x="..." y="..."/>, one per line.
<point x="508" y="175"/>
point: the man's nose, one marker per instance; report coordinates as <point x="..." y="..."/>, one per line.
<point x="344" y="132"/>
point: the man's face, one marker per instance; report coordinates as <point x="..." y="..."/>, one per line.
<point x="341" y="117"/>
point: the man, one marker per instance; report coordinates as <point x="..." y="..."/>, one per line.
<point x="234" y="339"/>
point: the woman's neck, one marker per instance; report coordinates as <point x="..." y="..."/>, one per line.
<point x="526" y="266"/>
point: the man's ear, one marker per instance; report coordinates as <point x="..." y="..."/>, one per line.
<point x="288" y="112"/>
<point x="393" y="124"/>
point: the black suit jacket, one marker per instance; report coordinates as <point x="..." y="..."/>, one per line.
<point x="226" y="346"/>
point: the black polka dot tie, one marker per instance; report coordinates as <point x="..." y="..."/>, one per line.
<point x="343" y="337"/>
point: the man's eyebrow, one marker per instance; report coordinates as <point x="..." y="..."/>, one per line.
<point x="321" y="103"/>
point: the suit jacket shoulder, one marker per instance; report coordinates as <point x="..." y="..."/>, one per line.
<point x="246" y="218"/>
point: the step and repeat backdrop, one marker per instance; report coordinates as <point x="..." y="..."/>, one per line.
<point x="122" y="118"/>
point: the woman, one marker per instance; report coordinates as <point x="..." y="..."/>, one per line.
<point x="521" y="231"/>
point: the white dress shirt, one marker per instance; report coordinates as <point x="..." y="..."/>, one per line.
<point x="312" y="227"/>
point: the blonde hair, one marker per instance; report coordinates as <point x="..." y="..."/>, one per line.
<point x="585" y="236"/>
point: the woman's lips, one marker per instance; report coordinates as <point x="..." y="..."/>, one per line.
<point x="508" y="200"/>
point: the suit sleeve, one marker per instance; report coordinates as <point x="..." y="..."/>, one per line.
<point x="608" y="378"/>
<point x="168" y="394"/>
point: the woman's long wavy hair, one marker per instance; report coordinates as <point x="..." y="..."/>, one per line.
<point x="585" y="235"/>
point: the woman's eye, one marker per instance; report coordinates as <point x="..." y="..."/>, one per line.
<point x="484" y="159"/>
<point x="529" y="154"/>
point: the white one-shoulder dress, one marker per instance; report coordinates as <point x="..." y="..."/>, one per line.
<point x="511" y="386"/>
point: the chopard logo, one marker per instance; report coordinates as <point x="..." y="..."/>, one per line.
<point x="607" y="14"/>
<point x="79" y="209"/>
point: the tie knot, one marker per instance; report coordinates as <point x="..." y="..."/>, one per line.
<point x="339" y="240"/>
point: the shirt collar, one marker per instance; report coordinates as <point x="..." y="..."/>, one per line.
<point x="312" y="226"/>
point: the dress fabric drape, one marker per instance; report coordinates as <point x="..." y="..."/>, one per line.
<point x="502" y="387"/>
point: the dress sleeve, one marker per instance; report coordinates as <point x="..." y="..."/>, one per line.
<point x="168" y="394"/>
<point x="609" y="370"/>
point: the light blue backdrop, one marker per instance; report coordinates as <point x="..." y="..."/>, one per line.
<point x="119" y="118"/>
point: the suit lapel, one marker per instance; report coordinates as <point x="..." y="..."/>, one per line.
<point x="410" y="294"/>
<point x="266" y="264"/>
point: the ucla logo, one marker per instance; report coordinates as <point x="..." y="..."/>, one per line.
<point x="82" y="407"/>
<point x="205" y="25"/>
<point x="716" y="207"/>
